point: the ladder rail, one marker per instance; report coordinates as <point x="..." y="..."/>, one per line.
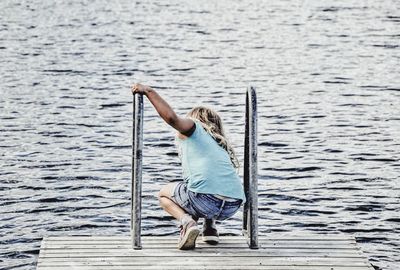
<point x="250" y="180"/>
<point x="137" y="157"/>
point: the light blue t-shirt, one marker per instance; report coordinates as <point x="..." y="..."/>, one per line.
<point x="207" y="167"/>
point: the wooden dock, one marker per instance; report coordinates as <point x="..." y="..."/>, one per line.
<point x="271" y="252"/>
<point x="276" y="251"/>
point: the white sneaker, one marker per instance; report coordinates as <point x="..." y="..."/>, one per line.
<point x="188" y="235"/>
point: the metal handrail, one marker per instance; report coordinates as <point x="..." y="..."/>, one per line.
<point x="250" y="181"/>
<point x="137" y="156"/>
<point x="250" y="209"/>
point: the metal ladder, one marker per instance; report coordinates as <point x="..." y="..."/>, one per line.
<point x="250" y="182"/>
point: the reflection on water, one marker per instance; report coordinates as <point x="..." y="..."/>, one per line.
<point x="327" y="76"/>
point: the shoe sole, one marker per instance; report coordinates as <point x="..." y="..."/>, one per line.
<point x="189" y="241"/>
<point x="212" y="240"/>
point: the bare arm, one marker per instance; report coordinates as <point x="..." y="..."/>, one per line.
<point x="181" y="124"/>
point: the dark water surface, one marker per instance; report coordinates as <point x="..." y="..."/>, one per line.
<point x="327" y="76"/>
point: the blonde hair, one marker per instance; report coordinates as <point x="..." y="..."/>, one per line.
<point x="212" y="123"/>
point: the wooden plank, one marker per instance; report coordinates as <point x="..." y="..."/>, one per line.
<point x="194" y="254"/>
<point x="225" y="241"/>
<point x="215" y="262"/>
<point x="172" y="242"/>
<point x="223" y="255"/>
<point x="211" y="264"/>
<point x="199" y="240"/>
<point x="198" y="253"/>
<point x="204" y="246"/>
<point x="224" y="259"/>
<point x="200" y="243"/>
<point x="317" y="237"/>
<point x="195" y="267"/>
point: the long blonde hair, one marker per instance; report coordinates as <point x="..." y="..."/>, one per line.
<point x="212" y="123"/>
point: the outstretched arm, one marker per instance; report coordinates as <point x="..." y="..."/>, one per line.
<point x="181" y="124"/>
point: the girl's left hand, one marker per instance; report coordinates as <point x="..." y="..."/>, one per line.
<point x="139" y="88"/>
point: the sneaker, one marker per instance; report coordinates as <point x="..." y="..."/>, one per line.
<point x="210" y="233"/>
<point x="188" y="235"/>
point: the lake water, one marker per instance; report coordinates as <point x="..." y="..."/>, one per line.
<point x="328" y="82"/>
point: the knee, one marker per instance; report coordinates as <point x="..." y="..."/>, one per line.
<point x="161" y="193"/>
<point x="164" y="192"/>
<point x="162" y="197"/>
<point x="164" y="201"/>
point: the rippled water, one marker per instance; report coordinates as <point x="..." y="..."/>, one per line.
<point x="328" y="83"/>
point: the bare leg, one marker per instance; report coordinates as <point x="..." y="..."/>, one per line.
<point x="188" y="226"/>
<point x="164" y="196"/>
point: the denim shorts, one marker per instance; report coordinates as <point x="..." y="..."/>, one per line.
<point x="201" y="205"/>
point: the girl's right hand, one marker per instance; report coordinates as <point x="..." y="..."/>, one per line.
<point x="139" y="88"/>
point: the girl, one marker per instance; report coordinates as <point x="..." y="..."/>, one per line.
<point x="211" y="188"/>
